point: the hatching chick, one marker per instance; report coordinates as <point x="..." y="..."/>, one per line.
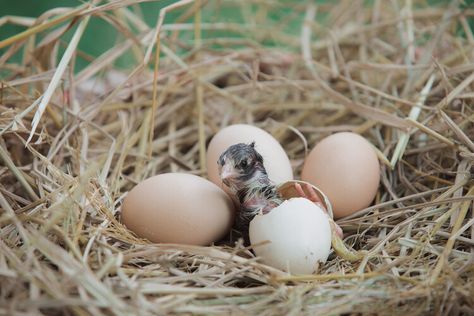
<point x="241" y="169"/>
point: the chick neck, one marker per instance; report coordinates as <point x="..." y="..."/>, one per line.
<point x="258" y="194"/>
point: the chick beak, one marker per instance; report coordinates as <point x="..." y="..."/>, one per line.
<point x="227" y="173"/>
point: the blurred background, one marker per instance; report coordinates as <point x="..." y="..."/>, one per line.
<point x="100" y="34"/>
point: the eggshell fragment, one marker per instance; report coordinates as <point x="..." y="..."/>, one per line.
<point x="346" y="168"/>
<point x="275" y="160"/>
<point x="287" y="191"/>
<point x="299" y="236"/>
<point x="178" y="208"/>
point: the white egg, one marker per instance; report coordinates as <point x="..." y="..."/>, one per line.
<point x="299" y="236"/>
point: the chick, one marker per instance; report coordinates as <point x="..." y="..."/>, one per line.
<point x="242" y="171"/>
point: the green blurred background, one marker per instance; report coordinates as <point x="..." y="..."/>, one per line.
<point x="100" y="35"/>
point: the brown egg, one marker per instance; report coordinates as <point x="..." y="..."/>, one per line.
<point x="178" y="208"/>
<point x="345" y="167"/>
<point x="275" y="159"/>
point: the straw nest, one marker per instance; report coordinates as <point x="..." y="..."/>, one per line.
<point x="74" y="142"/>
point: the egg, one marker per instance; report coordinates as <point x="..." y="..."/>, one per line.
<point x="275" y="160"/>
<point x="345" y="167"/>
<point x="178" y="208"/>
<point x="298" y="234"/>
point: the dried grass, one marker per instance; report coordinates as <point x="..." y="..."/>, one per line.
<point x="72" y="145"/>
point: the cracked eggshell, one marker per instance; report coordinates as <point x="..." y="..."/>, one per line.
<point x="275" y="159"/>
<point x="178" y="208"/>
<point x="287" y="191"/>
<point x="299" y="236"/>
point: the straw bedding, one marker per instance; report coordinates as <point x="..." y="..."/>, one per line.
<point x="74" y="142"/>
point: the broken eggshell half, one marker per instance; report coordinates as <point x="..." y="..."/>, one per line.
<point x="287" y="191"/>
<point x="297" y="235"/>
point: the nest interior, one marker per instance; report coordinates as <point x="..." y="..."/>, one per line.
<point x="73" y="142"/>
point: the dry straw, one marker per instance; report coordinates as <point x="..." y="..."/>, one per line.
<point x="73" y="143"/>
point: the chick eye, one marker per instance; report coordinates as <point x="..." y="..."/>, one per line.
<point x="243" y="164"/>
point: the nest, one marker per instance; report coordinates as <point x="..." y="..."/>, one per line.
<point x="73" y="142"/>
